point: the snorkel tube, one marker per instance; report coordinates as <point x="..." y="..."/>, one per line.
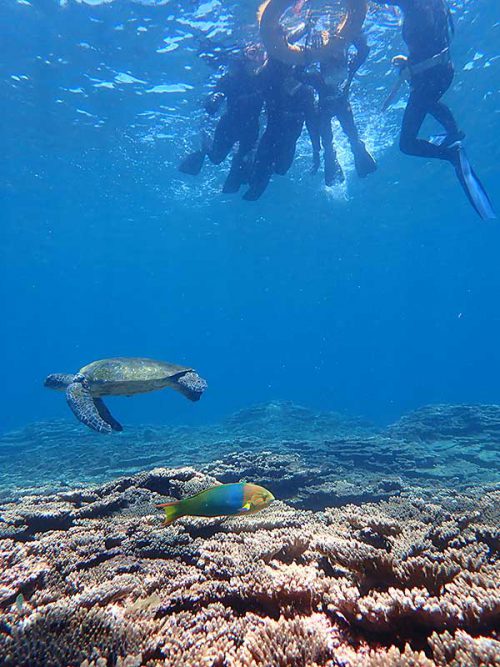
<point x="277" y="45"/>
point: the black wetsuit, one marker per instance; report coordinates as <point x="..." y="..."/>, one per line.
<point x="332" y="83"/>
<point x="289" y="104"/>
<point x="426" y="32"/>
<point x="239" y="124"/>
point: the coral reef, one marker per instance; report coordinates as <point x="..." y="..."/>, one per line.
<point x="405" y="581"/>
<point x="434" y="422"/>
<point x="330" y="459"/>
<point x="382" y="551"/>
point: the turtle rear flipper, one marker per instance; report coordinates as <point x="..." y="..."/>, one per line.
<point x="82" y="404"/>
<point x="102" y="409"/>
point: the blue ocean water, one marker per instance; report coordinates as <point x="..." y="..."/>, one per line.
<point x="374" y="298"/>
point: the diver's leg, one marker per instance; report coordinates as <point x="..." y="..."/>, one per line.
<point x="263" y="165"/>
<point x="343" y="111"/>
<point x="333" y="170"/>
<point x="225" y="136"/>
<point x="217" y="151"/>
<point x="235" y="176"/>
<point x="241" y="162"/>
<point x="442" y="113"/>
<point x="363" y="161"/>
<point x="426" y="92"/>
<point x="285" y="154"/>
<point x="438" y="82"/>
<point x="414" y="116"/>
<point x="422" y="99"/>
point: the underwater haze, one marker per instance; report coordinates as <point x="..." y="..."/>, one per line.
<point x="372" y="298"/>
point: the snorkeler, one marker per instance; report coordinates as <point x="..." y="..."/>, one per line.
<point x="427" y="32"/>
<point x="333" y="79"/>
<point x="332" y="82"/>
<point x="239" y="124"/>
<point x="289" y="104"/>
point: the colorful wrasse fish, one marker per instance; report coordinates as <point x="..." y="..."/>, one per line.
<point x="222" y="500"/>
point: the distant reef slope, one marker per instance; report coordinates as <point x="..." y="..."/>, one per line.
<point x="314" y="459"/>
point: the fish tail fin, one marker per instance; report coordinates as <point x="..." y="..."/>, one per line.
<point x="172" y="512"/>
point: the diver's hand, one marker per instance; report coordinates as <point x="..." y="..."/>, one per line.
<point x="400" y="62"/>
<point x="345" y="87"/>
<point x="213" y="102"/>
<point x="316" y="42"/>
<point x="315" y="164"/>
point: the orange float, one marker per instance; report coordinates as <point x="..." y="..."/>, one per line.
<point x="332" y="43"/>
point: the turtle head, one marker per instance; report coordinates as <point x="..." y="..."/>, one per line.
<point x="191" y="385"/>
<point x="58" y="381"/>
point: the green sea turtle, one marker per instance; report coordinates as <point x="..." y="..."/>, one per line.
<point x="120" y="377"/>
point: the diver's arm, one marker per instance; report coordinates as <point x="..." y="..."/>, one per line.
<point x="304" y="28"/>
<point x="297" y="33"/>
<point x="352" y="24"/>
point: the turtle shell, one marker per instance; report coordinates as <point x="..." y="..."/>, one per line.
<point x="130" y="375"/>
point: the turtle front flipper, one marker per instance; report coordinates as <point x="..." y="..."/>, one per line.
<point x="191" y="385"/>
<point x="82" y="404"/>
<point x="102" y="409"/>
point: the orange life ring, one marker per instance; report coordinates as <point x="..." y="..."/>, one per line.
<point x="277" y="45"/>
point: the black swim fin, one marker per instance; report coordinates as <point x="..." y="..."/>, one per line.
<point x="256" y="190"/>
<point x="334" y="174"/>
<point x="193" y="163"/>
<point x="364" y="162"/>
<point x="471" y="184"/>
<point x="238" y="174"/>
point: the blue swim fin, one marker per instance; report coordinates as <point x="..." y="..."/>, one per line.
<point x="471" y="184"/>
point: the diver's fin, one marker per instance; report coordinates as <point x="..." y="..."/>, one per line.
<point x="102" y="409"/>
<point x="193" y="163"/>
<point x="334" y="174"/>
<point x="82" y="404"/>
<point x="172" y="512"/>
<point x="472" y="186"/>
<point x="238" y="174"/>
<point x="256" y="189"/>
<point x="365" y="164"/>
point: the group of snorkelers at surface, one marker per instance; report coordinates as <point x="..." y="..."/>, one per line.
<point x="303" y="77"/>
